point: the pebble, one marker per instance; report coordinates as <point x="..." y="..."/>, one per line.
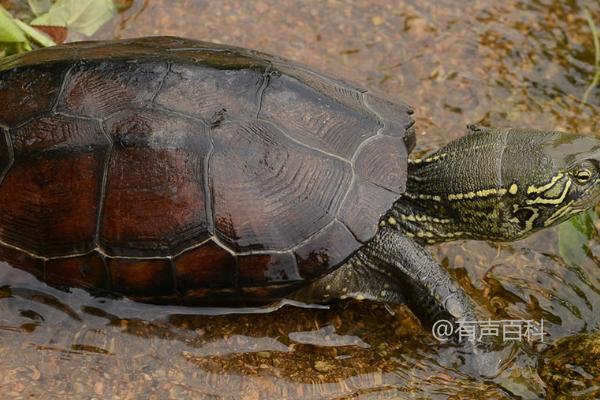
<point x="99" y="388"/>
<point x="377" y="20"/>
<point x="323" y="366"/>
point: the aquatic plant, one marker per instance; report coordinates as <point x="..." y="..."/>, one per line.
<point x="596" y="38"/>
<point x="50" y="20"/>
<point x="575" y="234"/>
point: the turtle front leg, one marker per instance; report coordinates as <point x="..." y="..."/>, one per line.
<point x="357" y="279"/>
<point x="393" y="268"/>
<point x="429" y="289"/>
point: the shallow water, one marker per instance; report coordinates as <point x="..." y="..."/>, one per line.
<point x="512" y="63"/>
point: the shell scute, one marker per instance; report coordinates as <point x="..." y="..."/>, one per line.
<point x="28" y="92"/>
<point x="210" y="94"/>
<point x="155" y="201"/>
<point x="24" y="261"/>
<point x="362" y="206"/>
<point x="328" y="250"/>
<point x="269" y="192"/>
<point x="141" y="276"/>
<point x="396" y="115"/>
<point x="382" y="161"/>
<point x="342" y="92"/>
<point x="196" y="268"/>
<point x="87" y="271"/>
<point x="50" y="195"/>
<point x="99" y="89"/>
<point x="316" y="119"/>
<point x="266" y="269"/>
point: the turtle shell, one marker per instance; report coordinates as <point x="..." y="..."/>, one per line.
<point x="170" y="170"/>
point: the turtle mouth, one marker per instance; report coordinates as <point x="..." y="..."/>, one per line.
<point x="580" y="201"/>
<point x="591" y="197"/>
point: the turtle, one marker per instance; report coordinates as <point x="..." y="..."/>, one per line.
<point x="173" y="171"/>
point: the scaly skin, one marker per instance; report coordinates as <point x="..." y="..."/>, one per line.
<point x="499" y="185"/>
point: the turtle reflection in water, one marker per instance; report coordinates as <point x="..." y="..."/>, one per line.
<point x="174" y="171"/>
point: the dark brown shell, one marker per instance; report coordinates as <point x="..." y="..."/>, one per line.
<point x="172" y="170"/>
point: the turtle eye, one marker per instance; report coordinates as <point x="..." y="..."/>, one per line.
<point x="583" y="172"/>
<point x="582" y="175"/>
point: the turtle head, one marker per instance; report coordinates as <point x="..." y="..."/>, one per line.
<point x="550" y="176"/>
<point x="500" y="184"/>
<point x="557" y="174"/>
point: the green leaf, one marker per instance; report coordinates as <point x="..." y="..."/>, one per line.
<point x="596" y="38"/>
<point x="84" y="16"/>
<point x="574" y="236"/>
<point x="57" y="16"/>
<point x="14" y="48"/>
<point x="39" y="7"/>
<point x="12" y="38"/>
<point x="37" y="36"/>
<point x="9" y="30"/>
